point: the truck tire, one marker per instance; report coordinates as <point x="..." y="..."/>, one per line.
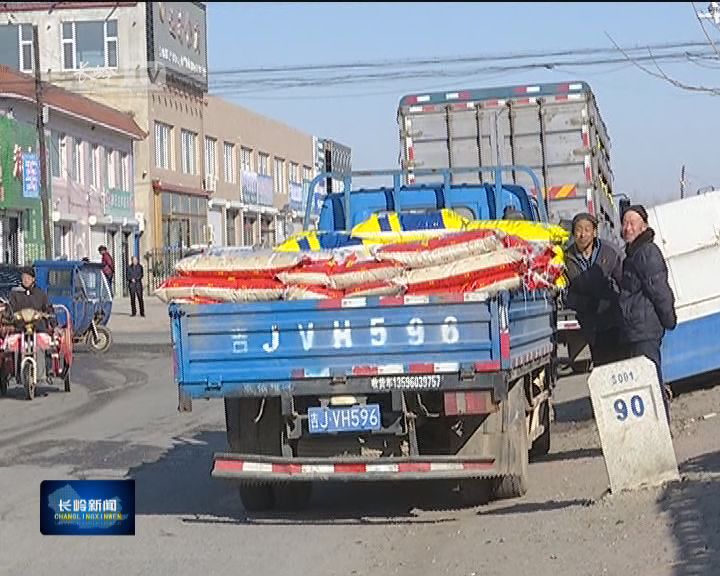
<point x="474" y="492"/>
<point x="264" y="438"/>
<point x="292" y="496"/>
<point x="232" y="423"/>
<point x="257" y="497"/>
<point x="514" y="483"/>
<point x="244" y="435"/>
<point x="541" y="446"/>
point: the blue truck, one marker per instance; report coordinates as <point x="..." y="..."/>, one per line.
<point x="452" y="387"/>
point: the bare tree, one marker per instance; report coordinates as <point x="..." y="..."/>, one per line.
<point x="713" y="13"/>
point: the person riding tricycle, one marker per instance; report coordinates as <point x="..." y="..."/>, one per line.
<point x="30" y="332"/>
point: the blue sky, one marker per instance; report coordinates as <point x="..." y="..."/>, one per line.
<point x="654" y="127"/>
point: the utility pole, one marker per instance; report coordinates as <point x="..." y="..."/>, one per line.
<point x="682" y="182"/>
<point x="42" y="152"/>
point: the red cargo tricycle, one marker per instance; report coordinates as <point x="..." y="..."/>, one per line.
<point x="26" y="347"/>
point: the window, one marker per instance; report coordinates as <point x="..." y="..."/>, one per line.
<point x="229" y="164"/>
<point x="263" y="164"/>
<point x="230" y="217"/>
<point x="184" y="219"/>
<point x="307" y="173"/>
<point x="103" y="167"/>
<point x="163" y="139"/>
<point x="246" y="159"/>
<point x="93" y="171"/>
<point x="76" y="160"/>
<point x="279" y="180"/>
<point x="117" y="169"/>
<point x="294" y="174"/>
<point x="58" y="155"/>
<point x="125" y="172"/>
<point x="89" y="44"/>
<point x="16" y="46"/>
<point x="26" y="47"/>
<point x="111" y="174"/>
<point x="188" y="147"/>
<point x="60" y="282"/>
<point x="210" y="156"/>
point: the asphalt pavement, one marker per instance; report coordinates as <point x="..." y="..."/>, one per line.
<point x="121" y="421"/>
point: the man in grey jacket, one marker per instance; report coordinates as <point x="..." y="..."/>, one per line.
<point x="594" y="269"/>
<point x="646" y="299"/>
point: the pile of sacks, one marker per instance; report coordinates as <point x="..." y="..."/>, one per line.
<point x="387" y="255"/>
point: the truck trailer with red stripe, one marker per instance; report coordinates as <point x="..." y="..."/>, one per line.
<point x="556" y="129"/>
<point x="451" y="387"/>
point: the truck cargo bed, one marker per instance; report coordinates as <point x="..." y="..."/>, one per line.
<point x="311" y="347"/>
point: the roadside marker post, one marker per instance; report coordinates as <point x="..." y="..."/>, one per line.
<point x="631" y="420"/>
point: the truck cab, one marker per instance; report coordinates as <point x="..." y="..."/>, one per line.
<point x="475" y="202"/>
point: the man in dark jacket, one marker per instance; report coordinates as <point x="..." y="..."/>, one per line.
<point x="134" y="277"/>
<point x="594" y="269"/>
<point x="108" y="265"/>
<point x="28" y="295"/>
<point x="646" y="299"/>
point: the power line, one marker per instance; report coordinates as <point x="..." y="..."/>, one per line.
<point x="452" y="59"/>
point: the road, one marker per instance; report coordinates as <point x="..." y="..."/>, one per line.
<point x="120" y="421"/>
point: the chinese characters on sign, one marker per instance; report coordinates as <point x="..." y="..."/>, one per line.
<point x="177" y="39"/>
<point x="119" y="203"/>
<point x="80" y="505"/>
<point x="87" y="507"/>
<point x="31" y="175"/>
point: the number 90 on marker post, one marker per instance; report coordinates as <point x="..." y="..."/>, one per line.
<point x="630" y="405"/>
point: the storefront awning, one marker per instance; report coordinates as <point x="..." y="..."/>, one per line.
<point x="163" y="186"/>
<point x="114" y="221"/>
<point x="257" y="208"/>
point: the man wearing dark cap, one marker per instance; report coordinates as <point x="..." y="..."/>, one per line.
<point x="646" y="299"/>
<point x="29" y="295"/>
<point x="594" y="269"/>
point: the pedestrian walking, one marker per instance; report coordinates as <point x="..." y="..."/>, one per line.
<point x="594" y="269"/>
<point x="135" y="278"/>
<point x="646" y="299"/>
<point x="108" y="266"/>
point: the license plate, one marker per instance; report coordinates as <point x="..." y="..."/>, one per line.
<point x="347" y="419"/>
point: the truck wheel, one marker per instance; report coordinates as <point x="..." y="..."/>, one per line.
<point x="244" y="435"/>
<point x="473" y="492"/>
<point x="257" y="497"/>
<point x="264" y="438"/>
<point x="514" y="484"/>
<point x="232" y="423"/>
<point x="541" y="446"/>
<point x="4" y="377"/>
<point x="292" y="496"/>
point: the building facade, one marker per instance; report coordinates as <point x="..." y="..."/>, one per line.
<point x="256" y="167"/>
<point x="208" y="171"/>
<point x="146" y="59"/>
<point x="90" y="162"/>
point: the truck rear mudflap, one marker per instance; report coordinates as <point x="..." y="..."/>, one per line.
<point x="252" y="468"/>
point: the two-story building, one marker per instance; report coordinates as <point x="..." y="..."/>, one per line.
<point x="144" y="58"/>
<point x="90" y="162"/>
<point x="255" y="167"/>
